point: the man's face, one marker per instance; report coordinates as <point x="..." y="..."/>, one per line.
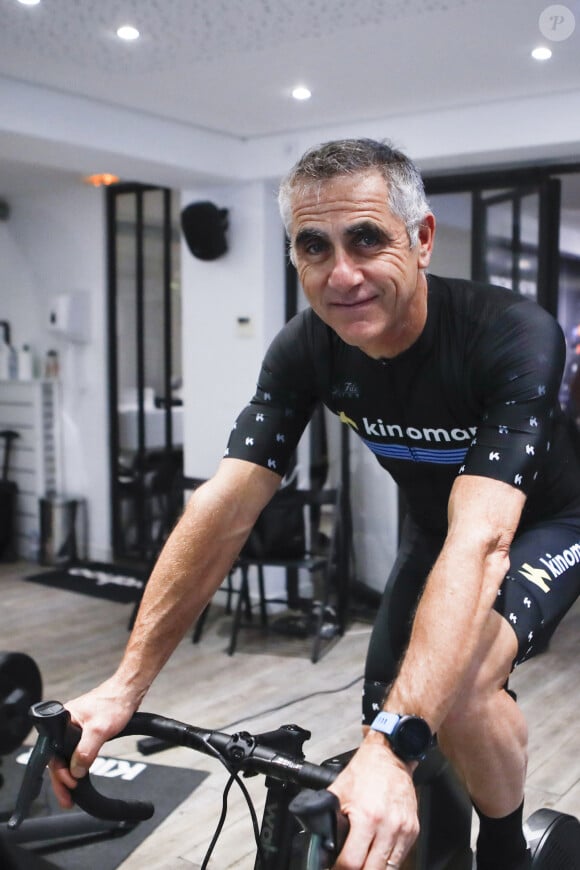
<point x="355" y="263"/>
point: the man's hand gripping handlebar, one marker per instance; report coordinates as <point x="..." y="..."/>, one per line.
<point x="58" y="737"/>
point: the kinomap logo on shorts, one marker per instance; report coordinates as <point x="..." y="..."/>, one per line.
<point x="554" y="566"/>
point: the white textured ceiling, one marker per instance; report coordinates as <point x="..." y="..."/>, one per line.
<point x="229" y="65"/>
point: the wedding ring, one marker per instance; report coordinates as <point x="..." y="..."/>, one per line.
<point x="390" y="864"/>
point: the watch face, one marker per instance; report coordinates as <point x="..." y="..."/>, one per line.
<point x="413" y="737"/>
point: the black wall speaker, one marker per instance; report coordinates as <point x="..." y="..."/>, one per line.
<point x="204" y="227"/>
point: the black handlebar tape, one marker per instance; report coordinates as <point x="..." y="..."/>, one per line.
<point x="53" y="721"/>
<point x="107" y="808"/>
<point x="162" y="728"/>
<point x="315" y="776"/>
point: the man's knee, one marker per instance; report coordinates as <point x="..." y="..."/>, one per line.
<point x="488" y="675"/>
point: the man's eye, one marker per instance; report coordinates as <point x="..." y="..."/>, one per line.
<point x="314" y="247"/>
<point x="367" y="239"/>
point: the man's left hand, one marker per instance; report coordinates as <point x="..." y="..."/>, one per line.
<point x="377" y="794"/>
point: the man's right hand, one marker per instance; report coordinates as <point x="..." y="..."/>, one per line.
<point x="101" y="714"/>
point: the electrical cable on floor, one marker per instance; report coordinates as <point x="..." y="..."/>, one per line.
<point x="294" y="701"/>
<point x="151" y="745"/>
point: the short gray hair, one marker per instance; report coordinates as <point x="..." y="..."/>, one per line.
<point x="405" y="189"/>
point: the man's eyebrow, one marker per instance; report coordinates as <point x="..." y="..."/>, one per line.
<point x="308" y="235"/>
<point x="366" y="226"/>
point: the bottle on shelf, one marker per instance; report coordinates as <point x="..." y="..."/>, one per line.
<point x="4" y="360"/>
<point x="25" y="365"/>
<point x="13" y="364"/>
<point x="51" y="366"/>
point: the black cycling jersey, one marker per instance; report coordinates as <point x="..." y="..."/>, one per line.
<point x="477" y="393"/>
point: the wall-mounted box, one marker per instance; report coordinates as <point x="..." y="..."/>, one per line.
<point x="69" y="316"/>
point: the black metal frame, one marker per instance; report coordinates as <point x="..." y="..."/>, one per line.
<point x="139" y="191"/>
<point x="504" y="177"/>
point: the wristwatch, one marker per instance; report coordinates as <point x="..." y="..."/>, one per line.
<point x="409" y="736"/>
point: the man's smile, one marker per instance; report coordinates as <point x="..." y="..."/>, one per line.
<point x="353" y="303"/>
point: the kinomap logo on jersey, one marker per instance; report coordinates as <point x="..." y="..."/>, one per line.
<point x="552" y="567"/>
<point x="416" y="442"/>
<point x="384" y="430"/>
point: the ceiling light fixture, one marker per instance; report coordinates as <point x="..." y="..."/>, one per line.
<point x="101" y="179"/>
<point x="541" y="53"/>
<point x="29" y="2"/>
<point x="128" y="32"/>
<point x="301" y="93"/>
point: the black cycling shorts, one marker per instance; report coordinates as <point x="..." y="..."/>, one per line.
<point x="542" y="584"/>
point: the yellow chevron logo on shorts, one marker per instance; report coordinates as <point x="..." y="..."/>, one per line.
<point x="535" y="575"/>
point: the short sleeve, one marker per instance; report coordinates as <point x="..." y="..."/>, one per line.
<point x="268" y="429"/>
<point x="518" y="366"/>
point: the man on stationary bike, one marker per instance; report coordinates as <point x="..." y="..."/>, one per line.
<point x="454" y="387"/>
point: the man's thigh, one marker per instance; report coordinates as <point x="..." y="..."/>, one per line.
<point x="542" y="584"/>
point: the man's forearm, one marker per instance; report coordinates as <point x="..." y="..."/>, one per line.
<point x="447" y="629"/>
<point x="182" y="583"/>
<point x="459" y="595"/>
<point x="193" y="563"/>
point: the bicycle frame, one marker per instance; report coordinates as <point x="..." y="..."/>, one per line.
<point x="283" y="844"/>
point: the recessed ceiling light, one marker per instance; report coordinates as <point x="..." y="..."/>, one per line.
<point x="29" y="2"/>
<point x="541" y="53"/>
<point x="301" y="93"/>
<point x="128" y="32"/>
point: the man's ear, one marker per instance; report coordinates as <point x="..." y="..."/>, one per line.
<point x="426" y="239"/>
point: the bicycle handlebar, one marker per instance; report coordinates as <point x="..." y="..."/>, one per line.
<point x="58" y="736"/>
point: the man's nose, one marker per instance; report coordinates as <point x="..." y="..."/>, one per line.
<point x="345" y="273"/>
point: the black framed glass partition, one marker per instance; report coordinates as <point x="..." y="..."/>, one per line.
<point x="144" y="352"/>
<point x="516" y="239"/>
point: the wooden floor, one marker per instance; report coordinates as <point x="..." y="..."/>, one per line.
<point x="77" y="641"/>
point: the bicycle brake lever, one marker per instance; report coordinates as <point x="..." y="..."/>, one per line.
<point x="319" y="812"/>
<point x="57" y="736"/>
<point x="60" y="737"/>
<point x="29" y="790"/>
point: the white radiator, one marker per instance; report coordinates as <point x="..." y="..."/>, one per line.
<point x="32" y="408"/>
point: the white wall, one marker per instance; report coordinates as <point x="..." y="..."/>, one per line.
<point x="53" y="244"/>
<point x="452" y="250"/>
<point x="19" y="302"/>
<point x="221" y="360"/>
